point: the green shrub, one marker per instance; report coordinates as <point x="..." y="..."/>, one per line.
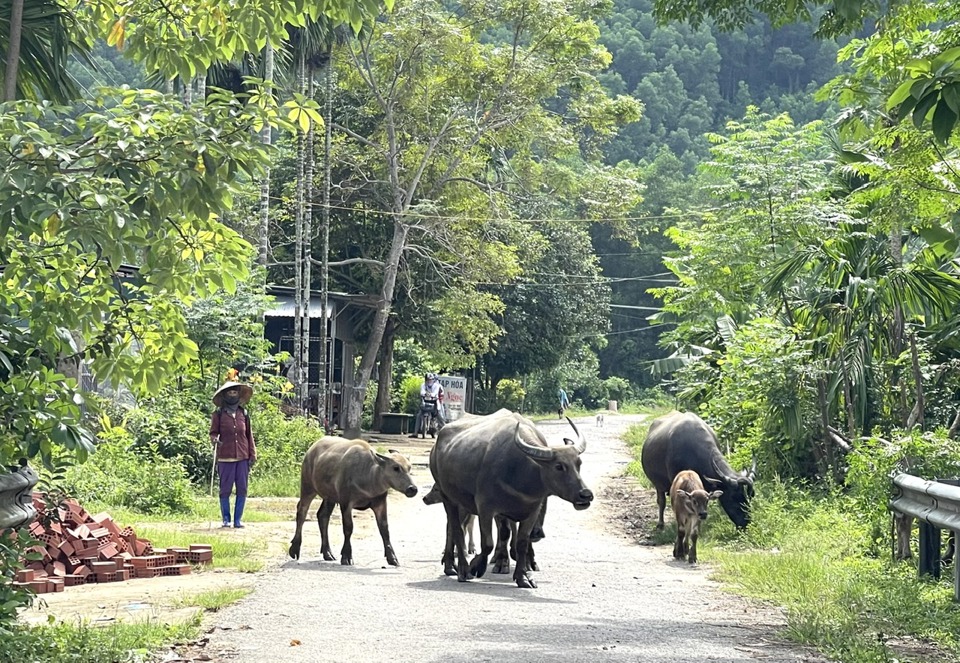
<point x="410" y="390"/>
<point x="124" y="474"/>
<point x="510" y="395"/>
<point x="928" y="455"/>
<point x="175" y="424"/>
<point x="13" y="548"/>
<point x="282" y="441"/>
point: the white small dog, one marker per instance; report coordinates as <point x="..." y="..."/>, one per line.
<point x="599" y="418"/>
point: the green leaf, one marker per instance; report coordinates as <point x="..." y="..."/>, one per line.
<point x="923" y="107"/>
<point x="951" y="94"/>
<point x="943" y="120"/>
<point x="901" y="93"/>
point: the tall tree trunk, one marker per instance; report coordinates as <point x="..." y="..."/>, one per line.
<point x="298" y="339"/>
<point x="265" y="137"/>
<point x="325" y="237"/>
<point x="13" y="51"/>
<point x="307" y="231"/>
<point x="202" y="88"/>
<point x="848" y="404"/>
<point x="918" y="380"/>
<point x="384" y="373"/>
<point x="353" y="407"/>
<point x="827" y="443"/>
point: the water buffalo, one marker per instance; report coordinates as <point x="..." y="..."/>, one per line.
<point x="349" y="473"/>
<point x="683" y="441"/>
<point x="500" y="466"/>
<point x="689" y="501"/>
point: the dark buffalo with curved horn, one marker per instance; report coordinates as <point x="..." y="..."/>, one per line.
<point x="501" y="466"/>
<point x="683" y="441"/>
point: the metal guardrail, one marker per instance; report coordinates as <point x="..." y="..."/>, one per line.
<point x="936" y="504"/>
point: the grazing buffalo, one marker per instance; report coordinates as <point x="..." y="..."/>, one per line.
<point x="500" y="466"/>
<point x="683" y="441"/>
<point x="349" y="473"/>
<point x="689" y="501"/>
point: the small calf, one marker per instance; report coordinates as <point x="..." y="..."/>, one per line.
<point x="599" y="418"/>
<point x="689" y="501"/>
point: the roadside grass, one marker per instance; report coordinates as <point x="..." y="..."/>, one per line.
<point x="281" y="483"/>
<point x="806" y="551"/>
<point x="228" y="551"/>
<point x="84" y="643"/>
<point x="214" y="600"/>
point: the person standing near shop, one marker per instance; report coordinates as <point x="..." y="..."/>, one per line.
<point x="233" y="444"/>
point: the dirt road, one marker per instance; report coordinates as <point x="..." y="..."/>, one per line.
<point x="601" y="597"/>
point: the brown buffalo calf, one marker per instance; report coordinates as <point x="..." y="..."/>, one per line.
<point x="352" y="474"/>
<point x="689" y="501"/>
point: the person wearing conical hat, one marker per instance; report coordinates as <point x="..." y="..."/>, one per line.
<point x="232" y="437"/>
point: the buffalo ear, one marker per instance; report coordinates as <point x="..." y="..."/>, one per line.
<point x="394" y="451"/>
<point x="715" y="495"/>
<point x="683" y="493"/>
<point x="380" y="458"/>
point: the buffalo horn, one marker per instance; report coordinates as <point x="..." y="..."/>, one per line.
<point x="753" y="470"/>
<point x="581" y="444"/>
<point x="532" y="450"/>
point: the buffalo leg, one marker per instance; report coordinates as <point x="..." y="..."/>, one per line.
<point x="523" y="580"/>
<point x="692" y="550"/>
<point x="302" y="507"/>
<point x="346" y="515"/>
<point x="449" y="552"/>
<point x="478" y="565"/>
<point x="531" y="562"/>
<point x="468" y="523"/>
<point x="323" y="520"/>
<point x="678" y="548"/>
<point x="379" y="508"/>
<point x="661" y="504"/>
<point x="536" y="534"/>
<point x="501" y="560"/>
<point x="455" y="535"/>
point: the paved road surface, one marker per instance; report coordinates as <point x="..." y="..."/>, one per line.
<point x="601" y="597"/>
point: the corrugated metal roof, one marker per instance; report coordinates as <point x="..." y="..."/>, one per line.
<point x="285" y="307"/>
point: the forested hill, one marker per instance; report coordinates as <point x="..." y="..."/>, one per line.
<point x="692" y="80"/>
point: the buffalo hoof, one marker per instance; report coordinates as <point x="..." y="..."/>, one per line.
<point x="329" y="556"/>
<point x="393" y="561"/>
<point x="449" y="570"/>
<point x="346" y="561"/>
<point x="478" y="566"/>
<point x="536" y="534"/>
<point x="294" y="552"/>
<point x="501" y="565"/>
<point x="525" y="582"/>
<point x="533" y="566"/>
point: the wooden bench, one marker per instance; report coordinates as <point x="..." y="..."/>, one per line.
<point x="396" y="423"/>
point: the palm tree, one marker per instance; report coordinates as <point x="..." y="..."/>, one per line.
<point x="37" y="37"/>
<point x="847" y="296"/>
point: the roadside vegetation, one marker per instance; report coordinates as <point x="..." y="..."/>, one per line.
<point x="826" y="556"/>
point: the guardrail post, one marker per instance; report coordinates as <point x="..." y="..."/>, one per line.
<point x="929" y="544"/>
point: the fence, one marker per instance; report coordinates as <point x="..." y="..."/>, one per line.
<point x="936" y="505"/>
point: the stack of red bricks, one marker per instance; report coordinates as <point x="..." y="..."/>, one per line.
<point x="78" y="548"/>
